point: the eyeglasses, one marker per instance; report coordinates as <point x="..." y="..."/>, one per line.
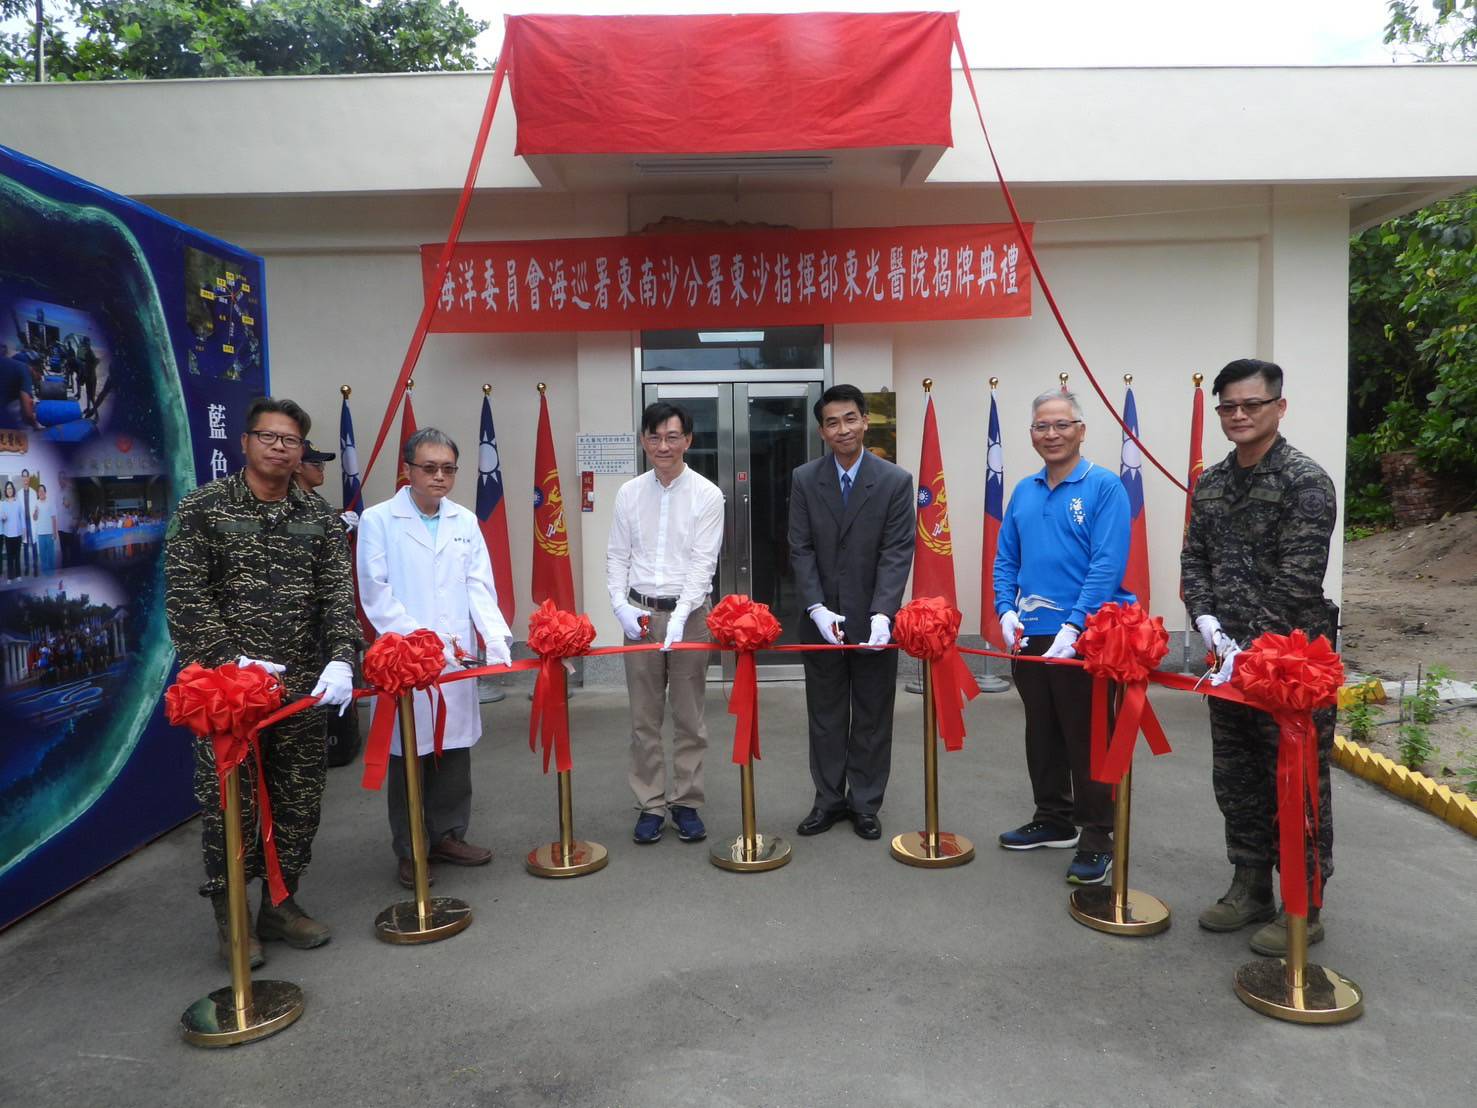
<point x="657" y="440"/>
<point x="431" y="469"/>
<point x="1060" y="426"/>
<point x="272" y="438"/>
<point x="1250" y="407"/>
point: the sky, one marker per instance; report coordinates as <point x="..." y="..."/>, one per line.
<point x="1002" y="33"/>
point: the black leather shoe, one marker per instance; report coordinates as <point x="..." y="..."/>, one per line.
<point x="867" y="827"/>
<point x="819" y="821"/>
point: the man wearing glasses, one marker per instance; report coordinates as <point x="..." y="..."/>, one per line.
<point x="1062" y="553"/>
<point x="423" y="563"/>
<point x="1255" y="552"/>
<point x="665" y="535"/>
<point x="256" y="572"/>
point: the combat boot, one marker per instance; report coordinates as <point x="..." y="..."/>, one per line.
<point x="1271" y="940"/>
<point x="220" y="904"/>
<point x="1248" y="900"/>
<point x="289" y="923"/>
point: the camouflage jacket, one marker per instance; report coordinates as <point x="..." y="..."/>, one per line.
<point x="1257" y="545"/>
<point x="268" y="580"/>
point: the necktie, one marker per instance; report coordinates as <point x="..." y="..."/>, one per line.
<point x="845" y="488"/>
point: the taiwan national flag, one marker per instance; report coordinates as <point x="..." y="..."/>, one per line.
<point x="349" y="459"/>
<point x="1197" y="456"/>
<point x="553" y="579"/>
<point x="407" y="428"/>
<point x="1130" y="470"/>
<point x="994" y="516"/>
<point x="492" y="512"/>
<point x="933" y="543"/>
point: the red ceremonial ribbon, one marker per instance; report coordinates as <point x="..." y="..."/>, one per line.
<point x="395" y="665"/>
<point x="1122" y="644"/>
<point x="744" y="626"/>
<point x="554" y="634"/>
<point x="1288" y="676"/>
<point x="928" y="628"/>
<point x="226" y="705"/>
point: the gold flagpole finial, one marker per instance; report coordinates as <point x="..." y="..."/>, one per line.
<point x="409" y="384"/>
<point x="486" y="390"/>
<point x="1128" y="378"/>
<point x="994" y="383"/>
<point x="928" y="384"/>
<point x="1062" y="377"/>
<point x="1199" y="377"/>
<point x="344" y="391"/>
<point x="542" y="388"/>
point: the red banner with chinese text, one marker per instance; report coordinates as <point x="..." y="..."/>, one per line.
<point x="733" y="279"/>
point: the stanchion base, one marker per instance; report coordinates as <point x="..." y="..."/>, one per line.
<point x="550" y="860"/>
<point x="211" y="1020"/>
<point x="770" y="852"/>
<point x="1327" y="997"/>
<point x="401" y="923"/>
<point x="911" y="848"/>
<point x="1095" y="906"/>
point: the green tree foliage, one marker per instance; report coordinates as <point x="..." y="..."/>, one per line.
<point x="1448" y="34"/>
<point x="161" y="39"/>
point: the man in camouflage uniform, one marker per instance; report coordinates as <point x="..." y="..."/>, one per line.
<point x="257" y="571"/>
<point x="1255" y="552"/>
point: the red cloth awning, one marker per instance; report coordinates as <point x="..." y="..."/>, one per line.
<point x="729" y="84"/>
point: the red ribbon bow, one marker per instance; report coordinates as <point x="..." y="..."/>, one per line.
<point x="928" y="627"/>
<point x="745" y="626"/>
<point x="226" y="705"/>
<point x="1123" y="644"/>
<point x="395" y="665"/>
<point x="554" y="634"/>
<point x="1288" y="676"/>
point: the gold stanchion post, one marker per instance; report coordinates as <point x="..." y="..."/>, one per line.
<point x="569" y="857"/>
<point x="426" y="919"/>
<point x="244" y="1010"/>
<point x="1295" y="989"/>
<point x="753" y="851"/>
<point x="931" y="848"/>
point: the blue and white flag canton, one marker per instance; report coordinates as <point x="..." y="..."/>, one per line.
<point x="489" y="468"/>
<point x="1131" y="462"/>
<point x="995" y="472"/>
<point x="349" y="460"/>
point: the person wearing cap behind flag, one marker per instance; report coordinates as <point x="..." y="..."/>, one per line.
<point x="423" y="563"/>
<point x="1062" y="552"/>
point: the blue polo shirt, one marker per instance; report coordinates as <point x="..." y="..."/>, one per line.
<point x="1063" y="551"/>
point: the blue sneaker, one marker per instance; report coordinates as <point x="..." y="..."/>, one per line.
<point x="1089" y="868"/>
<point x="649" y="828"/>
<point x="689" y="824"/>
<point x="1039" y="833"/>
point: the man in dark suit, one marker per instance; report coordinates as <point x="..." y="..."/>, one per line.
<point x="851" y="546"/>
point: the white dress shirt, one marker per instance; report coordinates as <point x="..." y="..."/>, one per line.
<point x="664" y="540"/>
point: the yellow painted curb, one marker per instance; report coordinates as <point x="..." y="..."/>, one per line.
<point x="1455" y="808"/>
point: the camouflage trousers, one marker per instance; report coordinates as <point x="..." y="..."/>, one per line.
<point x="293" y="757"/>
<point x="1244" y="774"/>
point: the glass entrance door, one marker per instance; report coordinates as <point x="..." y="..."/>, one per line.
<point x="747" y="438"/>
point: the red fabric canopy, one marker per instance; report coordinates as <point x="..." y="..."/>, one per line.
<point x="729" y="84"/>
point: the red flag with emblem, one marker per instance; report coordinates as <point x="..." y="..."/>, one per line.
<point x="1197" y="456"/>
<point x="553" y="579"/>
<point x="933" y="544"/>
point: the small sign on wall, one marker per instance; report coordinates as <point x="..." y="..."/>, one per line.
<point x="587" y="491"/>
<point x="606" y="453"/>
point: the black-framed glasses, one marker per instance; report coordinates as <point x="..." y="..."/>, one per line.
<point x="1060" y="426"/>
<point x="1250" y="407"/>
<point x="432" y="469"/>
<point x="272" y="438"/>
<point x="654" y="441"/>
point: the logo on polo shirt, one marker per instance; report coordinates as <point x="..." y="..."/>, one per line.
<point x="1076" y="511"/>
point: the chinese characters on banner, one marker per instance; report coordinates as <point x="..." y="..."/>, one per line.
<point x="732" y="278"/>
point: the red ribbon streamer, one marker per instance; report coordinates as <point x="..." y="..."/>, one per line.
<point x="743" y="625"/>
<point x="1122" y="644"/>
<point x="928" y="628"/>
<point x="230" y="705"/>
<point x="1288" y="676"/>
<point x="395" y="665"/>
<point x="554" y="634"/>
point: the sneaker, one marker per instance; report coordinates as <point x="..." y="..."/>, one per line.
<point x="1271" y="940"/>
<point x="1089" y="868"/>
<point x="1039" y="833"/>
<point x="649" y="828"/>
<point x="689" y="824"/>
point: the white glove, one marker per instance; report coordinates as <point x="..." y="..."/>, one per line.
<point x="351" y="520"/>
<point x="499" y="651"/>
<point x="1216" y="640"/>
<point x="271" y="667"/>
<point x="1228" y="664"/>
<point x="881" y="632"/>
<point x="1064" y="645"/>
<point x="1012" y="631"/>
<point x="336" y="686"/>
<point x="675" y="628"/>
<point x="828" y="623"/>
<point x="630" y="620"/>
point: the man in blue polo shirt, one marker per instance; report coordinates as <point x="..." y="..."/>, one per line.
<point x="1062" y="553"/>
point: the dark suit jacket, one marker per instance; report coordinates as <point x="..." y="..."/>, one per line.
<point x="854" y="562"/>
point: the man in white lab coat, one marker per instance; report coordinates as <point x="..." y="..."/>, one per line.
<point x="423" y="563"/>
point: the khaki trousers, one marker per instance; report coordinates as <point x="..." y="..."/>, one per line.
<point x="653" y="679"/>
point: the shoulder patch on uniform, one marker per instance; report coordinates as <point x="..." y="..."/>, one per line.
<point x="1312" y="503"/>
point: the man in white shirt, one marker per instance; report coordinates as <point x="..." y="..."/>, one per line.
<point x="423" y="563"/>
<point x="659" y="564"/>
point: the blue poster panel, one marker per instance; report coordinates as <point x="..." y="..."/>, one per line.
<point x="130" y="346"/>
